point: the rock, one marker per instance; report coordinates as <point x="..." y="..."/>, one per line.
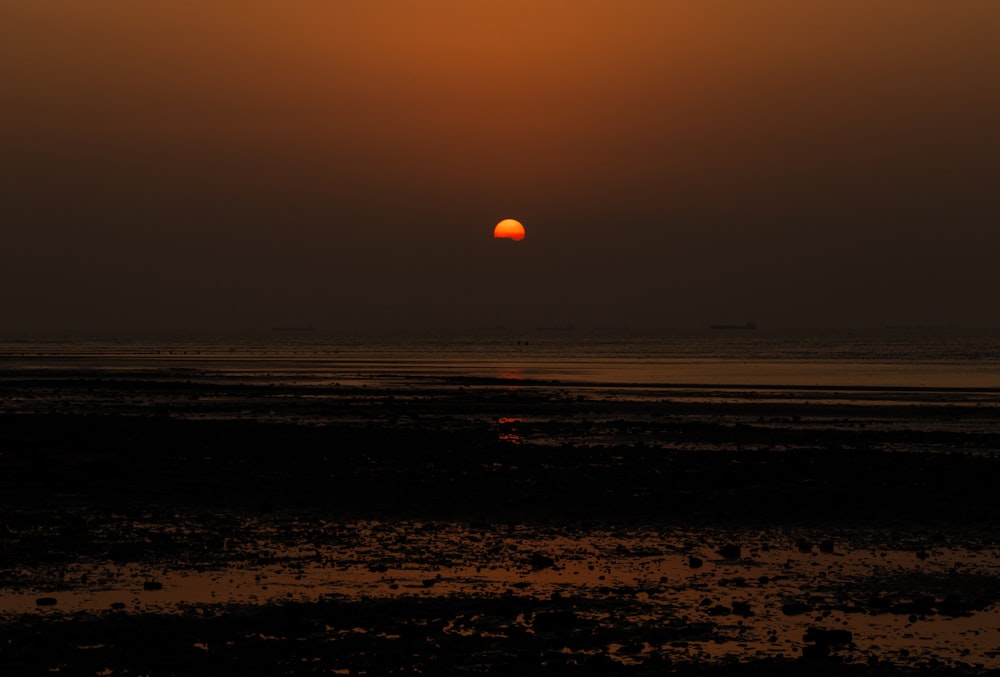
<point x="152" y="585"/>
<point x="540" y="561"/>
<point x="730" y="551"/>
<point x="822" y="642"/>
<point x="831" y="638"/>
<point x="795" y="608"/>
<point x="815" y="651"/>
<point x="118" y="606"/>
<point x="46" y="601"/>
<point x="826" y="547"/>
<point x="695" y="562"/>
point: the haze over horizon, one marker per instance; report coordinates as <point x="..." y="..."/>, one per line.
<point x="231" y="165"/>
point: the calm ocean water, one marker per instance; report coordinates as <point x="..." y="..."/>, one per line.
<point x="904" y="358"/>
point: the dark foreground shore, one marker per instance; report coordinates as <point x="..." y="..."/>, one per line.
<point x="176" y="524"/>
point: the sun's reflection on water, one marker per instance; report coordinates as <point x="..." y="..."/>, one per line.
<point x="509" y="430"/>
<point x="514" y="374"/>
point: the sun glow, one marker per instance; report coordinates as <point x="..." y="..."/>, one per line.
<point x="509" y="229"/>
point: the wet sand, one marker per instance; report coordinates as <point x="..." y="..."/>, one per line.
<point x="192" y="522"/>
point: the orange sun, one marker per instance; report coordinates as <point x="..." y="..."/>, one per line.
<point x="509" y="229"/>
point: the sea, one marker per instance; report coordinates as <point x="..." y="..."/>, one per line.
<point x="889" y="358"/>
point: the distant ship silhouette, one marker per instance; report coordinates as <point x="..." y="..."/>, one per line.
<point x="745" y="325"/>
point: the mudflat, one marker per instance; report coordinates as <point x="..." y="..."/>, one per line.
<point x="185" y="522"/>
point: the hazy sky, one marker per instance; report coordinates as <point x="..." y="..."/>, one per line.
<point x="240" y="164"/>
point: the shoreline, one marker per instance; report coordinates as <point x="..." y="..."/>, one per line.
<point x="587" y="530"/>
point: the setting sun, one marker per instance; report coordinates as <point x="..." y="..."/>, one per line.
<point x="509" y="229"/>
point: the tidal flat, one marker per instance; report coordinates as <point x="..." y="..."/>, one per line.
<point x="191" y="521"/>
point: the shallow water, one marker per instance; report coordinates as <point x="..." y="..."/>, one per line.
<point x="885" y="358"/>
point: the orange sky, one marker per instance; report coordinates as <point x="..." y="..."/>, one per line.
<point x="246" y="163"/>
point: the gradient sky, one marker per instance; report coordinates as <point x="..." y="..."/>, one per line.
<point x="241" y="164"/>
